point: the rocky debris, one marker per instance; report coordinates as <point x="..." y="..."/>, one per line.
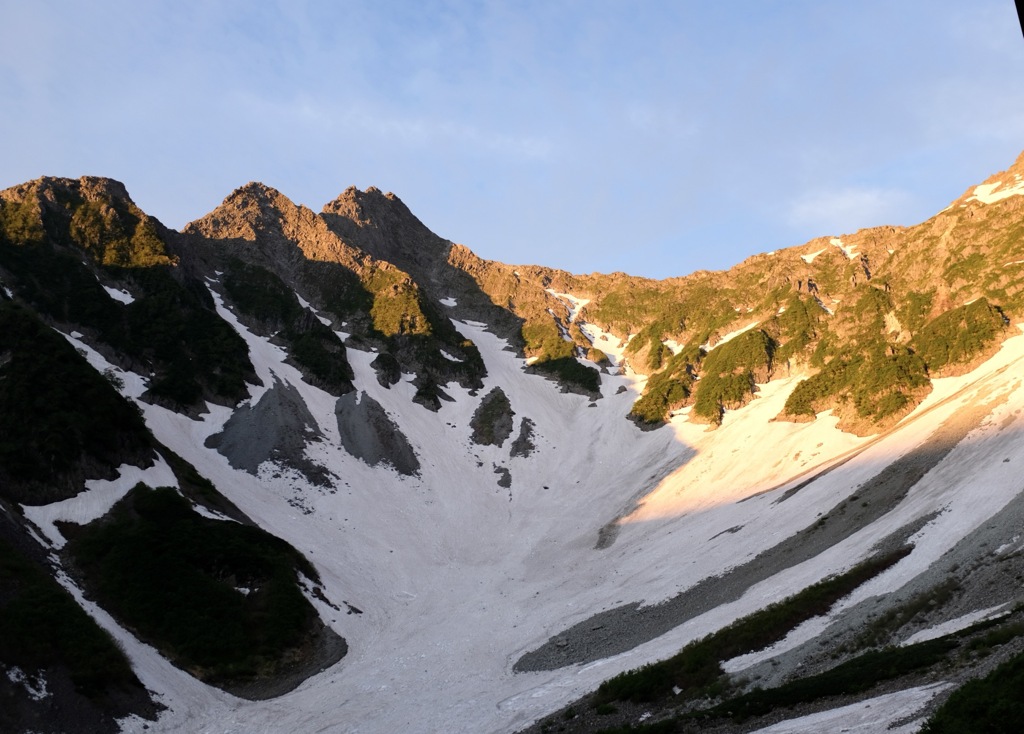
<point x="368" y="433"/>
<point x="276" y="429"/>
<point x="523" y="446"/>
<point x="504" y="477"/>
<point x="492" y="421"/>
<point x="387" y="369"/>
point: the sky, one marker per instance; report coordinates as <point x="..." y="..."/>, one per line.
<point x="655" y="137"/>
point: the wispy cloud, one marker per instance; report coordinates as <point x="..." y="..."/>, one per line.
<point x="844" y="210"/>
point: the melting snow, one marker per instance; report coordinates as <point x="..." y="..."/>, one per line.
<point x="990" y="193"/>
<point x="810" y="258"/>
<point x="572" y="303"/>
<point x="308" y="306"/>
<point x="674" y="346"/>
<point x="449" y="302"/>
<point x="849" y="250"/>
<point x="706" y="346"/>
<point x="35" y="685"/>
<point x="122" y="295"/>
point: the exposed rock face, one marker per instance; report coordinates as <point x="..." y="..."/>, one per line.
<point x="387" y="369"/>
<point x="492" y="421"/>
<point x="330" y="258"/>
<point x="523" y="446"/>
<point x="276" y="429"/>
<point x="368" y="433"/>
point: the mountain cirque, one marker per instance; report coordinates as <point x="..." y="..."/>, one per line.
<point x="356" y="478"/>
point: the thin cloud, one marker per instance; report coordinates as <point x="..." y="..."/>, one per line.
<point x="848" y="209"/>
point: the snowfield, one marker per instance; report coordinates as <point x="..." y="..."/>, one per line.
<point x="458" y="577"/>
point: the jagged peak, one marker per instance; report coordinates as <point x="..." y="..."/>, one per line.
<point x="250" y="208"/>
<point x="369" y="206"/>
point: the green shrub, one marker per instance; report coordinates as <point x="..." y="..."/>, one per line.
<point x="860" y="674"/>
<point x="696" y="669"/>
<point x="878" y="383"/>
<point x="728" y="373"/>
<point x="43" y="626"/>
<point x="174" y="577"/>
<point x="263" y="296"/>
<point x="991" y="704"/>
<point x="57" y="414"/>
<point x="958" y="335"/>
<point x="569" y="372"/>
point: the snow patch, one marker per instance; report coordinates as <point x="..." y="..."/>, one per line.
<point x="34" y="685"/>
<point x="810" y="257"/>
<point x="97" y="499"/>
<point x="449" y="302"/>
<point x="129" y="384"/>
<point x="955" y="625"/>
<point x="849" y="250"/>
<point x="308" y="306"/>
<point x="572" y="303"/>
<point x="674" y="346"/>
<point x="707" y="346"/>
<point x="991" y="193"/>
<point x="122" y="296"/>
<point x="870" y="716"/>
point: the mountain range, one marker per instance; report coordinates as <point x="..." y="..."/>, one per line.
<point x="287" y="470"/>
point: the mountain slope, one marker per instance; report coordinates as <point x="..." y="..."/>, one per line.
<point x="439" y="453"/>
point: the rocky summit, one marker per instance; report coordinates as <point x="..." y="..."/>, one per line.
<point x="329" y="472"/>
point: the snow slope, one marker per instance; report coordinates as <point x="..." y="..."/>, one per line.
<point x="457" y="577"/>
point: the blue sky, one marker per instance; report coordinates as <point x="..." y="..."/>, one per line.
<point x="654" y="137"/>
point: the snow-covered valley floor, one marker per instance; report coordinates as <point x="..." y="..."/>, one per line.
<point x="457" y="577"/>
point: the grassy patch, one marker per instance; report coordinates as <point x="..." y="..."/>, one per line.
<point x="668" y="390"/>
